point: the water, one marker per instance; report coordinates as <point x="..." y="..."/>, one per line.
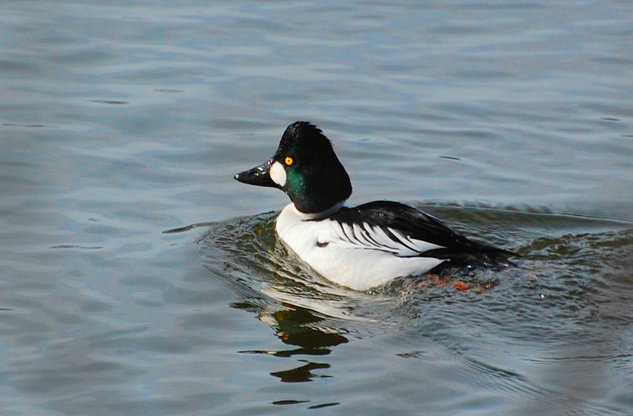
<point x="510" y="121"/>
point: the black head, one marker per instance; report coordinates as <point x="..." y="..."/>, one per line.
<point x="306" y="168"/>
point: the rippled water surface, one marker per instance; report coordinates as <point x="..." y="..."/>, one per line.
<point x="137" y="277"/>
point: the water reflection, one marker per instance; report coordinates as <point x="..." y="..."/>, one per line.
<point x="300" y="374"/>
<point x="297" y="327"/>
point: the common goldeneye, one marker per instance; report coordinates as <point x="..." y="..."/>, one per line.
<point x="359" y="247"/>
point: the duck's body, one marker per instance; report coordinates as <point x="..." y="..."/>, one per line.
<point x="361" y="247"/>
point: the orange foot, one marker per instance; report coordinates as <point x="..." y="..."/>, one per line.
<point x="434" y="279"/>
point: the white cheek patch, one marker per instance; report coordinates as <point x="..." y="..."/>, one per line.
<point x="278" y="174"/>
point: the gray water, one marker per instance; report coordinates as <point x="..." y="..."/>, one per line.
<point x="137" y="277"/>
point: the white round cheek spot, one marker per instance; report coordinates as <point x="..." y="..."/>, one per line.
<point x="278" y="174"/>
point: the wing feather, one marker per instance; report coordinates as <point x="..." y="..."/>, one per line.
<point x="399" y="221"/>
<point x="407" y="232"/>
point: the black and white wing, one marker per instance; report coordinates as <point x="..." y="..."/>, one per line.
<point x="408" y="232"/>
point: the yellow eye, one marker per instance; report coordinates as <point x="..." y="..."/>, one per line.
<point x="289" y="161"/>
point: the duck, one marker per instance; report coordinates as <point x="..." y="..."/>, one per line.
<point x="360" y="247"/>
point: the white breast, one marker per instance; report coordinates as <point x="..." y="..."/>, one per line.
<point x="350" y="255"/>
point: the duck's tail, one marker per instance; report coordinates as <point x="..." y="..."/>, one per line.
<point x="476" y="255"/>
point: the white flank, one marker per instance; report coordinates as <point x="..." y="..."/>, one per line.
<point x="353" y="256"/>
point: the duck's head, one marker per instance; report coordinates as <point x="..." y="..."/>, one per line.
<point x="306" y="168"/>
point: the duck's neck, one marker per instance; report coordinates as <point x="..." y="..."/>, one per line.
<point x="318" y="215"/>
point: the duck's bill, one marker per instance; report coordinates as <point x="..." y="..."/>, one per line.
<point x="257" y="176"/>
